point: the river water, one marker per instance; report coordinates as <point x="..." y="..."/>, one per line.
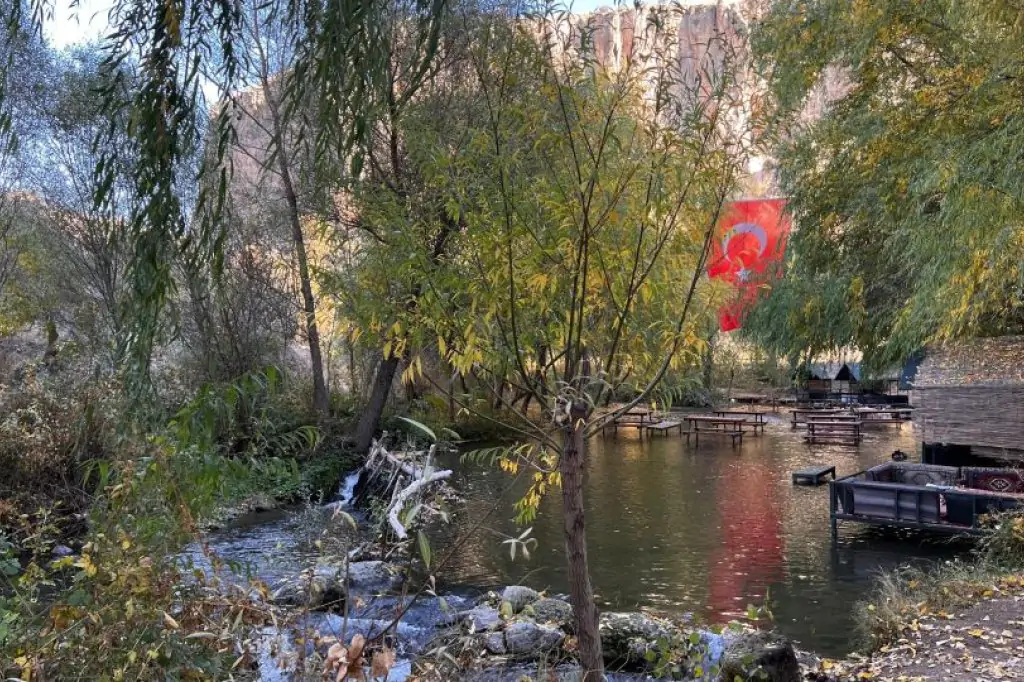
<point x="671" y="527"/>
<point x="705" y="529"/>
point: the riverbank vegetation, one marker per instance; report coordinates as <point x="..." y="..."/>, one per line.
<point x="497" y="224"/>
<point x="897" y="127"/>
<point x="901" y="598"/>
<point x="238" y="239"/>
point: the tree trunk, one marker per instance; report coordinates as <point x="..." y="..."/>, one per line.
<point x="709" y="362"/>
<point x="370" y="417"/>
<point x="352" y="382"/>
<point x="581" y="592"/>
<point x="321" y="400"/>
<point x="451" y="396"/>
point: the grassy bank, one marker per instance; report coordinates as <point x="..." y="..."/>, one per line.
<point x="901" y="598"/>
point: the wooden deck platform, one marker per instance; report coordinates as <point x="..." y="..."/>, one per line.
<point x="813" y="475"/>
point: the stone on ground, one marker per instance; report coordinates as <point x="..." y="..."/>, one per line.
<point x="373" y="576"/>
<point x="480" y="619"/>
<point x="627" y="637"/>
<point x="759" y="656"/>
<point x="320" y="587"/>
<point x="529" y="640"/>
<point x="549" y="610"/>
<point x="519" y="597"/>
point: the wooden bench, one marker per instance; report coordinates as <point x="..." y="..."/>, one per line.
<point x="637" y="418"/>
<point x="804" y="416"/>
<point x="718" y="426"/>
<point x="758" y="416"/>
<point x="757" y="421"/>
<point x="664" y="426"/>
<point x="736" y="435"/>
<point x="844" y="431"/>
<point x="813" y="475"/>
<point x="873" y="415"/>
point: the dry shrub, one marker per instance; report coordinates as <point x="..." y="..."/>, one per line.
<point x="50" y="428"/>
<point x="903" y="595"/>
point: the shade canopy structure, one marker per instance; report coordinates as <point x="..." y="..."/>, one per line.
<point x="972" y="393"/>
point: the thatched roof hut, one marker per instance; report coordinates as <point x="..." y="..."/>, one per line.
<point x="835" y="371"/>
<point x="972" y="393"/>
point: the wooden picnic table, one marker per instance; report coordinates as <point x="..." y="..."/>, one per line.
<point x="885" y="415"/>
<point x="664" y="426"/>
<point x="730" y="426"/>
<point x="636" y="417"/>
<point x="716" y="421"/>
<point x="814" y="475"/>
<point x="758" y="416"/>
<point x="803" y="416"/>
<point x="834" y="430"/>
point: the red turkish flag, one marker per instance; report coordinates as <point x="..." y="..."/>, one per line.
<point x="747" y="251"/>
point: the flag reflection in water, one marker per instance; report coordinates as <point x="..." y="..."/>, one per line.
<point x="750" y="556"/>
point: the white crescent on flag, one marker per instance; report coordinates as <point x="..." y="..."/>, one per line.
<point x="746" y="228"/>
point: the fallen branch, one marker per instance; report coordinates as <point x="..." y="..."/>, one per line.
<point x="379" y="452"/>
<point x="399" y="501"/>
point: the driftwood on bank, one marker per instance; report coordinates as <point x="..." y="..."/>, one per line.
<point x="409" y="475"/>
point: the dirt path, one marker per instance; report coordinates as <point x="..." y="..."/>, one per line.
<point x="981" y="643"/>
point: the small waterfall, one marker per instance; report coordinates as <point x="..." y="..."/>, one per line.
<point x="348" y="488"/>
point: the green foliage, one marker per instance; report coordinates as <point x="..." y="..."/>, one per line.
<point x="903" y="186"/>
<point x="573" y="211"/>
<point x="1004" y="546"/>
<point x="125" y="593"/>
<point x="107" y="613"/>
<point x="244" y="417"/>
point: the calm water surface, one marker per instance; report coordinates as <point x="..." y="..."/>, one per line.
<point x="706" y="529"/>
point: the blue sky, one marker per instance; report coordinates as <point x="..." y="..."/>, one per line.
<point x="87" y="22"/>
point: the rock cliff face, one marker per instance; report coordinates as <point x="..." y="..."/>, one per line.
<point x="704" y="38"/>
<point x="702" y="43"/>
<point x="707" y="39"/>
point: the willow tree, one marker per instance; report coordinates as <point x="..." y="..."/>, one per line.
<point x="587" y="195"/>
<point x="900" y="133"/>
<point x="342" y="64"/>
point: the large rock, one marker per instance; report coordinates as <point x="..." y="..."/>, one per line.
<point x="316" y="588"/>
<point x="549" y="610"/>
<point x="481" y="619"/>
<point x="526" y="639"/>
<point x="373" y="577"/>
<point x="759" y="656"/>
<point x="325" y="586"/>
<point x="519" y="597"/>
<point x="627" y="637"/>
